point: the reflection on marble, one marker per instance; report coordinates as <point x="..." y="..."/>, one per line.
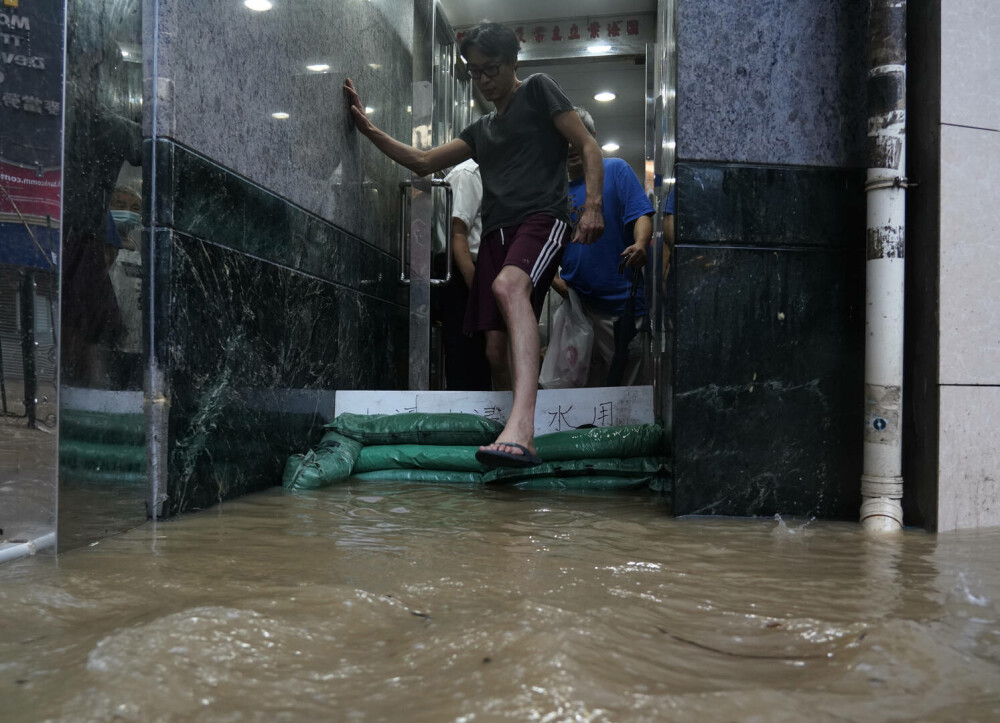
<point x="31" y="165"/>
<point x="773" y="81"/>
<point x="244" y="334"/>
<point x="223" y="109"/>
<point x="769" y="345"/>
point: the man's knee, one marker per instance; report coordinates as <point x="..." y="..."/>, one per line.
<point x="511" y="284"/>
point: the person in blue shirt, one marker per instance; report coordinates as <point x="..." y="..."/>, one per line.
<point x="593" y="271"/>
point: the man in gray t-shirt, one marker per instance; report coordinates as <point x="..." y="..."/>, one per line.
<point x="521" y="149"/>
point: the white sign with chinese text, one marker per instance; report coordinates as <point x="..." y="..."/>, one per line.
<point x="555" y="411"/>
<point x="580" y="30"/>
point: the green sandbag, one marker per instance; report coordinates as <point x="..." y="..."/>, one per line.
<point x="109" y="476"/>
<point x="332" y="461"/>
<point x="420" y="475"/>
<point x="632" y="440"/>
<point x="634" y="467"/>
<point x="417" y="428"/>
<point x="102" y="427"/>
<point x="586" y="483"/>
<point x="77" y="454"/>
<point x="420" y="456"/>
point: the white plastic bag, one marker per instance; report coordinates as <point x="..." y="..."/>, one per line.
<point x="567" y="359"/>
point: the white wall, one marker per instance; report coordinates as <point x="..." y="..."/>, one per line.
<point x="969" y="282"/>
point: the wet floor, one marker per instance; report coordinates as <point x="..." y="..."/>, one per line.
<point x="435" y="603"/>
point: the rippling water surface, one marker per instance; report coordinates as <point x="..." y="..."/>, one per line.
<point x="415" y="602"/>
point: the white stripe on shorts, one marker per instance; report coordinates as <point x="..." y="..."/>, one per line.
<point x="548" y="251"/>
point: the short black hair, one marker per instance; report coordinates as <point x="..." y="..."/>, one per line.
<point x="496" y="41"/>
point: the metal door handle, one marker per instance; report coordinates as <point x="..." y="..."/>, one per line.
<point x="404" y="246"/>
<point x="449" y="196"/>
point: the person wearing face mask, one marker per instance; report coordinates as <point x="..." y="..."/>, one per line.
<point x="521" y="150"/>
<point x="126" y="278"/>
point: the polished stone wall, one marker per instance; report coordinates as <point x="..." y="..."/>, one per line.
<point x="769" y="321"/>
<point x="223" y="71"/>
<point x="772" y="81"/>
<point x="767" y="286"/>
<point x="273" y="243"/>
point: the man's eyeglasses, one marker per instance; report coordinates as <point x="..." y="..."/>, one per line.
<point x="490" y="71"/>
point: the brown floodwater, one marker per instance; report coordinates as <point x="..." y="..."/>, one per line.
<point x="373" y="601"/>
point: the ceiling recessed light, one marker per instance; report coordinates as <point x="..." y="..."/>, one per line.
<point x="318" y="67"/>
<point x="124" y="53"/>
<point x="605" y="97"/>
<point x="610" y="146"/>
<point x="369" y="109"/>
<point x="258" y="5"/>
<point x="598" y="48"/>
<point x="374" y="66"/>
<point x="280" y="115"/>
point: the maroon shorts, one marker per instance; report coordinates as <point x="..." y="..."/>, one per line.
<point x="535" y="246"/>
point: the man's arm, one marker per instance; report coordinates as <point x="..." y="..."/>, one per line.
<point x="591" y="223"/>
<point x="642" y="233"/>
<point x="560" y="286"/>
<point x="460" y="250"/>
<point x="423" y="163"/>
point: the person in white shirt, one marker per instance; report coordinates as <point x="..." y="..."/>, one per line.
<point x="465" y="364"/>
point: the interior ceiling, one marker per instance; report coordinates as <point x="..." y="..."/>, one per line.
<point x="470" y="12"/>
<point x="623" y="119"/>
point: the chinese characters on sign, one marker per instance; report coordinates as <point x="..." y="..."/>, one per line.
<point x="561" y="419"/>
<point x="556" y="410"/>
<point x="585" y="30"/>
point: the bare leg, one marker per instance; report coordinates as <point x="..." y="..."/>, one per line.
<point x="512" y="289"/>
<point x="497" y="352"/>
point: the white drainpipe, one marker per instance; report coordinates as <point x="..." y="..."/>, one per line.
<point x="882" y="478"/>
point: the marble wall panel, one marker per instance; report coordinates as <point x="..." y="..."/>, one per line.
<point x="970" y="56"/>
<point x="203" y="199"/>
<point x="767" y="311"/>
<point x="969" y="494"/>
<point x="255" y="352"/>
<point x="223" y="70"/>
<point x="969" y="262"/>
<point x="733" y="204"/>
<point x="774" y="81"/>
<point x="768" y="381"/>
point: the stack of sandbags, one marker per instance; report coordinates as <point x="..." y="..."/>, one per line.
<point x="417" y="447"/>
<point x="598" y="458"/>
<point x="408" y="447"/>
